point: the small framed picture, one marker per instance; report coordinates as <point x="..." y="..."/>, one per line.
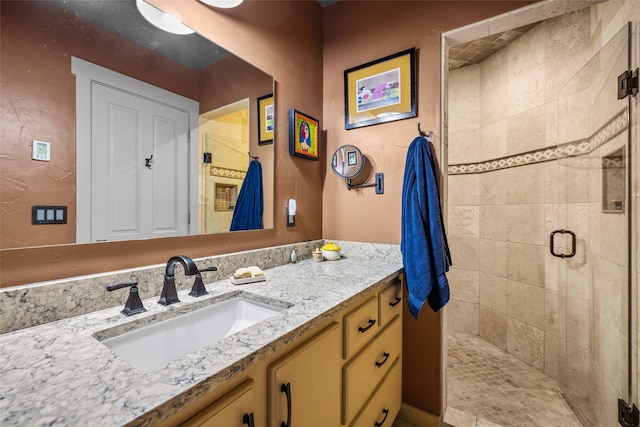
<point x="352" y="158"/>
<point x="380" y="91"/>
<point x="266" y="122"/>
<point x="304" y="133"/>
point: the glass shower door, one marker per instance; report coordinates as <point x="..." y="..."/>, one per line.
<point x="592" y="239"/>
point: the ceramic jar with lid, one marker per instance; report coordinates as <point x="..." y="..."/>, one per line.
<point x="331" y="252"/>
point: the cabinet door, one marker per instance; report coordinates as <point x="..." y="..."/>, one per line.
<point x="304" y="386"/>
<point x="390" y="302"/>
<point x="235" y="409"/>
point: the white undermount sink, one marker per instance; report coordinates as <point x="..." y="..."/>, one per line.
<point x="156" y="345"/>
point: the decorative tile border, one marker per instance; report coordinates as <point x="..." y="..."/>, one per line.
<point x="576" y="148"/>
<point x="227" y="173"/>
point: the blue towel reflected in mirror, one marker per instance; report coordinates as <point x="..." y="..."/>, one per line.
<point x="247" y="214"/>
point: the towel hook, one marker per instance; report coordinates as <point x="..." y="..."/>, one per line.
<point x="252" y="157"/>
<point x="423" y="134"/>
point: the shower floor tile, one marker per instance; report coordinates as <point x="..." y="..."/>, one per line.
<point x="488" y="387"/>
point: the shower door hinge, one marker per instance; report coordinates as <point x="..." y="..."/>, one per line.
<point x="628" y="83"/>
<point x="627" y="415"/>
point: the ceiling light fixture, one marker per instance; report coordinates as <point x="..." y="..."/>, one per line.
<point x="226" y="4"/>
<point x="162" y="20"/>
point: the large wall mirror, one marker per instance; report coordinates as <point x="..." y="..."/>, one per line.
<point x="150" y="134"/>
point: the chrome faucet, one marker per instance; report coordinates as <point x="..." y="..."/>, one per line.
<point x="169" y="294"/>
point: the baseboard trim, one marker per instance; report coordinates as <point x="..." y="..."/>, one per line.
<point x="418" y="417"/>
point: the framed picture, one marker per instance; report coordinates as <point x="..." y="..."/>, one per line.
<point x="304" y="134"/>
<point x="352" y="158"/>
<point x="266" y="122"/>
<point x="380" y="91"/>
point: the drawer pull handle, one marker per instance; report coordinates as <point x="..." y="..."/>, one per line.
<point x="386" y="414"/>
<point x="248" y="420"/>
<point x="396" y="302"/>
<point x="286" y="389"/>
<point x="386" y="357"/>
<point x="366" y="328"/>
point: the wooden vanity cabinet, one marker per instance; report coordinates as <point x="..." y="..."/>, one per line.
<point x="345" y="372"/>
<point x="234" y="409"/>
<point x="303" y="386"/>
<point x="371" y="395"/>
<point x="366" y="370"/>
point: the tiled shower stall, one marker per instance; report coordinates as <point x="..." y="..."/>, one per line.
<point x="536" y="143"/>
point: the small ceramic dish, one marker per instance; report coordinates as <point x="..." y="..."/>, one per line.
<point x="331" y="252"/>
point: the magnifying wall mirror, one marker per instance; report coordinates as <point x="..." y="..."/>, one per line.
<point x="349" y="163"/>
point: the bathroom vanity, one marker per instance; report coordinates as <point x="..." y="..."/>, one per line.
<point x="330" y="356"/>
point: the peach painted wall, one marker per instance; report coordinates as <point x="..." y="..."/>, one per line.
<point x="263" y="34"/>
<point x="356" y="32"/>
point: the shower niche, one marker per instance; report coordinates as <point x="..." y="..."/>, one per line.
<point x="613" y="181"/>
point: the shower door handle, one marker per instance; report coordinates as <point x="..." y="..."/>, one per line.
<point x="573" y="243"/>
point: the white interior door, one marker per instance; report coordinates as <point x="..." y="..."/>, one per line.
<point x="140" y="161"/>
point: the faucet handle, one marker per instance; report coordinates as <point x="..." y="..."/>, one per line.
<point x="133" y="304"/>
<point x="198" y="288"/>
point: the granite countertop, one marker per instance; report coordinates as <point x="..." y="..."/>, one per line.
<point x="59" y="374"/>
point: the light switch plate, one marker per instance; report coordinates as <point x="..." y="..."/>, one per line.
<point x="48" y="215"/>
<point x="41" y="150"/>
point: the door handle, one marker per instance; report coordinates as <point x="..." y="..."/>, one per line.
<point x="363" y="329"/>
<point x="286" y="389"/>
<point x="386" y="414"/>
<point x="573" y="243"/>
<point x="384" y="360"/>
<point x="248" y="419"/>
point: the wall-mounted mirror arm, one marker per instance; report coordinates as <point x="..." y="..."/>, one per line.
<point x="378" y="183"/>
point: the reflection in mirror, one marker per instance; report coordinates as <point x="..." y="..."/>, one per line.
<point x="164" y="177"/>
<point x="347" y="161"/>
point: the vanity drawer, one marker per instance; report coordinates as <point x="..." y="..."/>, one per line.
<point x="360" y="326"/>
<point x="364" y="372"/>
<point x="383" y="407"/>
<point x="390" y="302"/>
<point x="233" y="409"/>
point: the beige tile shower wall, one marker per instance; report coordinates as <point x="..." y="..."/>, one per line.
<point x="508" y="105"/>
<point x="566" y="317"/>
<point x="463" y="230"/>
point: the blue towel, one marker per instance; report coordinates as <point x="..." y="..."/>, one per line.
<point x="425" y="252"/>
<point x="247" y="215"/>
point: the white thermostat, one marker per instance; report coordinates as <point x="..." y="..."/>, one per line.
<point x="41" y="151"/>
